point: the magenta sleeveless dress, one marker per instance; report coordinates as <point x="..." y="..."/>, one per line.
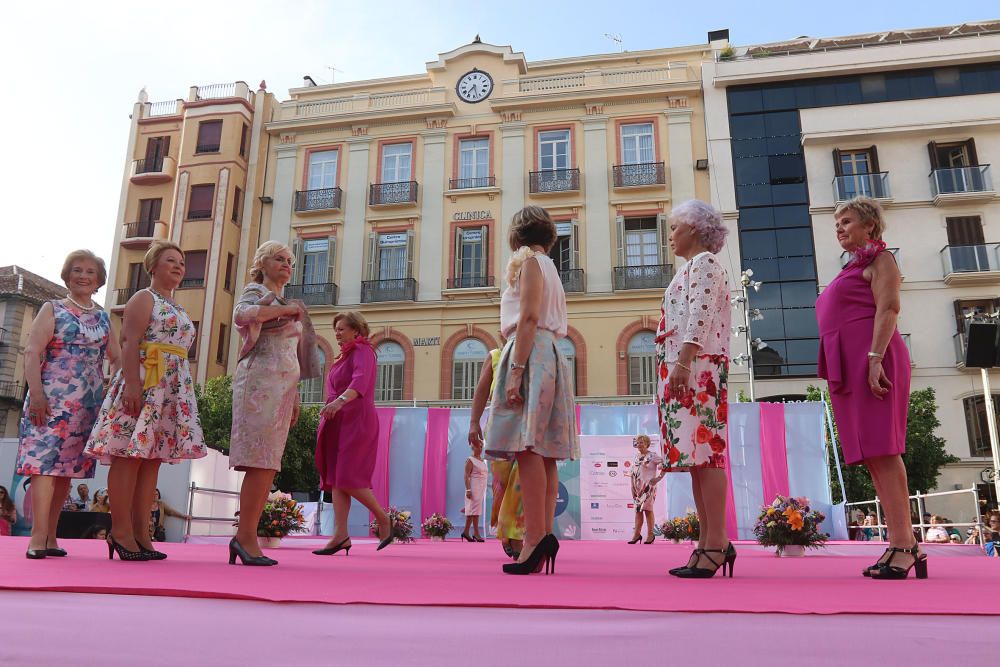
<point x="845" y="311"/>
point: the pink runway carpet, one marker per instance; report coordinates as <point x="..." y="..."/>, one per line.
<point x="591" y="576"/>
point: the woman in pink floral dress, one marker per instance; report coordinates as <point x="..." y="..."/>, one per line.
<point x="149" y="415"/>
<point x="692" y="356"/>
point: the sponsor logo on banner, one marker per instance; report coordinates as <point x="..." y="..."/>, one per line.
<point x="612" y="473"/>
<point x="595" y="506"/>
<point x="597" y="465"/>
<point x="612" y="464"/>
<point x="628" y="464"/>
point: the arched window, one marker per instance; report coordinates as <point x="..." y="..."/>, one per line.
<point x="311" y="390"/>
<point x="389" y="377"/>
<point x="642" y="364"/>
<point x="975" y="422"/>
<point x="568" y="349"/>
<point x="466" y="365"/>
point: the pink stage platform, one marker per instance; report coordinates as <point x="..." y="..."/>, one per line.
<point x="453" y="595"/>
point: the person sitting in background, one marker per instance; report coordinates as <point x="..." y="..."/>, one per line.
<point x="101" y="502"/>
<point x="937" y="533"/>
<point x="96" y="532"/>
<point x="82" y="498"/>
<point x="992" y="535"/>
<point x="869" y="524"/>
<point x="8" y="513"/>
<point x="954" y="539"/>
<point x="158" y="518"/>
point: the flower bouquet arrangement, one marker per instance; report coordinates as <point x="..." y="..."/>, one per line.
<point x="790" y="522"/>
<point x="436" y="525"/>
<point x="680" y="527"/>
<point x="281" y="516"/>
<point x="402" y="527"/>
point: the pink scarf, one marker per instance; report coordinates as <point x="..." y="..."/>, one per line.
<point x="347" y="347"/>
<point x="864" y="256"/>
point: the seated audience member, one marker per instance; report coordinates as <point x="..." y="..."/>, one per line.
<point x="96" y="532"/>
<point x="82" y="499"/>
<point x="954" y="539"/>
<point x="8" y="513"/>
<point x="937" y="533"/>
<point x="992" y="535"/>
<point x="102" y="503"/>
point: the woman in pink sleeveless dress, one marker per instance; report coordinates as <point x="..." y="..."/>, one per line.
<point x="865" y="362"/>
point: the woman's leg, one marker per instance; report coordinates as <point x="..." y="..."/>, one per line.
<point x="534" y="486"/>
<point x="650" y="522"/>
<point x="145" y="494"/>
<point x="253" y="496"/>
<point x="475" y="525"/>
<point x="59" y="496"/>
<point x="895" y="497"/>
<point x="699" y="505"/>
<point x="341" y="510"/>
<point x="637" y="532"/>
<point x="43" y="489"/>
<point x="367" y="498"/>
<point x="713" y="484"/>
<point x="551" y="493"/>
<point x="122" y="479"/>
<point x="468" y="524"/>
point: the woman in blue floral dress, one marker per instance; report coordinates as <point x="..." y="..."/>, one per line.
<point x="63" y="366"/>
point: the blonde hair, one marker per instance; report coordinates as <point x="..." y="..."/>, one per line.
<point x="87" y="256"/>
<point x="642" y="438"/>
<point x="267" y="249"/>
<point x="355" y="320"/>
<point x="156" y="250"/>
<point x="868" y="210"/>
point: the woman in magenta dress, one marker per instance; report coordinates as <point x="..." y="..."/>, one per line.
<point x="347" y="441"/>
<point x="865" y="362"/>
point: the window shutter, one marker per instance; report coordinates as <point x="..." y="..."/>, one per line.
<point x="574" y="249"/>
<point x="409" y="253"/>
<point x="970" y="146"/>
<point x="457" y="268"/>
<point x="932" y="153"/>
<point x="873" y="160"/>
<point x="620" y="227"/>
<point x="166" y="146"/>
<point x="484" y="243"/>
<point x="838" y="168"/>
<point x="154" y="210"/>
<point x="297" y="254"/>
<point x="331" y="260"/>
<point x="371" y="271"/>
<point x="663" y="235"/>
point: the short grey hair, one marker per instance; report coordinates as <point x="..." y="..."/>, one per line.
<point x="267" y="249"/>
<point x="704" y="220"/>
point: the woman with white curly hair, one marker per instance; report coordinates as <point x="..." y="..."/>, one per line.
<point x="278" y="349"/>
<point x="692" y="358"/>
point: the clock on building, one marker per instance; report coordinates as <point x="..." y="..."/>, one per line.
<point x="474" y="86"/>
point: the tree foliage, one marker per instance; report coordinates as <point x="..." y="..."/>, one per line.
<point x="215" y="409"/>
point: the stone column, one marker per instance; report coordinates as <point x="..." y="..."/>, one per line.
<point x="512" y="182"/>
<point x="352" y="238"/>
<point x="680" y="152"/>
<point x="600" y="244"/>
<point x="431" y="234"/>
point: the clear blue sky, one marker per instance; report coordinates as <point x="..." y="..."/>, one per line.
<point x="79" y="66"/>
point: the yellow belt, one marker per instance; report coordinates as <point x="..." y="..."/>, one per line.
<point x="155" y="363"/>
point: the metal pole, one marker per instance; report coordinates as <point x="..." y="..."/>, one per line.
<point x="749" y="339"/>
<point x="187" y="522"/>
<point x="878" y="518"/>
<point x="921" y="510"/>
<point x="991" y="422"/>
<point x="979" y="516"/>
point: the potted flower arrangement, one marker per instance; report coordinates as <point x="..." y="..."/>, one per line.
<point x="680" y="528"/>
<point x="436" y="527"/>
<point x="402" y="527"/>
<point x="281" y="516"/>
<point x="790" y="525"/>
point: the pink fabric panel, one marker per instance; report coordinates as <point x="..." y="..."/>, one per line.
<point x="773" y="459"/>
<point x="380" y="478"/>
<point x="731" y="526"/>
<point x="432" y="495"/>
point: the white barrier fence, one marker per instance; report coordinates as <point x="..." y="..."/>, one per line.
<point x="879" y="527"/>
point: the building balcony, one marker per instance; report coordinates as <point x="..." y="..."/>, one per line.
<point x="553" y="181"/>
<point x="313" y="294"/>
<point x="874" y="185"/>
<point x="222" y="91"/>
<point x="477" y="182"/>
<point x="652" y="276"/>
<point x="638" y="175"/>
<point x="971" y="264"/>
<point x="960" y="341"/>
<point x="962" y="184"/>
<point x="573" y="280"/>
<point x="392" y="194"/>
<point x="600" y="81"/>
<point x="153" y="171"/>
<point x="12" y="391"/>
<point x="845" y="257"/>
<point x="192" y="283"/>
<point x="123" y="295"/>
<point x="139" y="234"/>
<point x="324" y="199"/>
<point x="395" y="289"/>
<point x="471" y="282"/>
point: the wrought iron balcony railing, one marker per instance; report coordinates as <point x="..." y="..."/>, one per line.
<point x="645" y="173"/>
<point x="477" y="182"/>
<point x="313" y="294"/>
<point x="207" y="148"/>
<point x="970" y="258"/>
<point x="643" y="277"/>
<point x="12" y="391"/>
<point x="403" y="192"/>
<point x="466" y="282"/>
<point x="868" y="185"/>
<point x="961" y="180"/>
<point x="150" y="166"/>
<point x="395" y="289"/>
<point x="318" y="200"/>
<point x="556" y="180"/>
<point x="573" y="280"/>
<point x="124" y="294"/>
<point x="140" y="230"/>
<point x="189" y="283"/>
<point x="200" y="214"/>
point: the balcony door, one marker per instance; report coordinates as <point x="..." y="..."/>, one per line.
<point x="856" y="169"/>
<point x="397" y="162"/>
<point x="642" y="242"/>
<point x="966" y="244"/>
<point x="637" y="143"/>
<point x="474" y="162"/>
<point x="323" y="170"/>
<point x="156" y="149"/>
<point x="953" y="164"/>
<point x="392" y="256"/>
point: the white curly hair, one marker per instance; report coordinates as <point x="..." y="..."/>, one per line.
<point x="704" y="220"/>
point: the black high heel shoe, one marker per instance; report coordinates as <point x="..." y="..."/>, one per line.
<point x="507" y="549"/>
<point x="692" y="561"/>
<point x="636" y="539"/>
<point x="728" y="560"/>
<point x="652" y="538"/>
<point x="36" y="554"/>
<point x="543" y="553"/>
<point x="329" y="551"/>
<point x="887" y="570"/>
<point x="388" y="540"/>
<point x="466" y="538"/>
<point x="236" y="549"/>
<point x="884" y="558"/>
<point x="151" y="553"/>
<point x="123" y="553"/>
<point x="477" y="538"/>
<point x="55" y="552"/>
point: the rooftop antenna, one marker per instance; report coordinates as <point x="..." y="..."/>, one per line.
<point x="617" y="39"/>
<point x="333" y="72"/>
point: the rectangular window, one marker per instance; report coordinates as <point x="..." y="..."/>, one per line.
<point x="156" y="149"/>
<point x="315" y="261"/>
<point x="397" y="163"/>
<point x="244" y="144"/>
<point x="223" y="346"/>
<point x="149" y="211"/>
<point x="470" y="256"/>
<point x="474" y="160"/>
<point x="209" y="136"/>
<point x="393" y="256"/>
<point x="137" y="277"/>
<point x="194" y="264"/>
<point x="855" y="169"/>
<point x="237" y="205"/>
<point x="637" y="143"/>
<point x="230" y="267"/>
<point x="977" y="424"/>
<point x="193" y="350"/>
<point x="560" y="253"/>
<point x="323" y="169"/>
<point x="200" y="204"/>
<point x="641" y="242"/>
<point x="553" y="150"/>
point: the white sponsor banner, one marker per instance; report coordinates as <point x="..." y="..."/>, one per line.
<point x="607" y="511"/>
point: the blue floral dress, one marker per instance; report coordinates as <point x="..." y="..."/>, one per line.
<point x="73" y="383"/>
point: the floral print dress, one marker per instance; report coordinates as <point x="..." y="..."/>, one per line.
<point x="695" y="309"/>
<point x="167" y="427"/>
<point x="73" y="383"/>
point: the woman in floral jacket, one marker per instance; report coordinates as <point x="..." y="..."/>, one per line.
<point x="692" y="346"/>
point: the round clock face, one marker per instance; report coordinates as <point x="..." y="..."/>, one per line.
<point x="474" y="86"/>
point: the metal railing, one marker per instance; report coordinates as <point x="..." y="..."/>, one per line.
<point x="554" y="180"/>
<point x="573" y="280"/>
<point x="124" y="294"/>
<point x="189" y="283"/>
<point x="165" y="108"/>
<point x="874" y="185"/>
<point x="396" y="289"/>
<point x="537" y="84"/>
<point x="11" y="390"/>
<point x="313" y="294"/>
<point x="141" y="229"/>
<point x="148" y="166"/>
<point x="845" y="257"/>
<point x="645" y="173"/>
<point x="207" y="148"/>
<point x="465" y="403"/>
<point x="476" y="182"/>
<point x="961" y="180"/>
<point x="403" y="192"/>
<point x="199" y="214"/>
<point x="466" y="282"/>
<point x="970" y="258"/>
<point x="216" y="91"/>
<point x="972" y="492"/>
<point x="190" y="509"/>
<point x="643" y="277"/>
<point x="318" y="200"/>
